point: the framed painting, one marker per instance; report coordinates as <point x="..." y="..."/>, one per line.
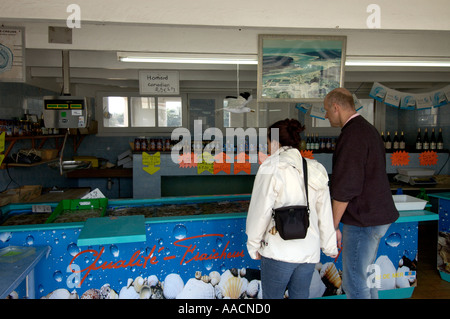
<point x="299" y="68"/>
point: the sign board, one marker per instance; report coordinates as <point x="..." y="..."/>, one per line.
<point x="159" y="82"/>
<point x="12" y="54"/>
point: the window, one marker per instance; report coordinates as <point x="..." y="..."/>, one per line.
<point x="127" y="113"/>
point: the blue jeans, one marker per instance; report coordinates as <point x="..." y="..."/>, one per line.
<point x="359" y="250"/>
<point x="277" y="275"/>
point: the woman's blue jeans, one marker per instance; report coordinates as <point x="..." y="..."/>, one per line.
<point x="277" y="275"/>
<point x="359" y="250"/>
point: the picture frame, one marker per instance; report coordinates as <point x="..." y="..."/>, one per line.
<point x="299" y="68"/>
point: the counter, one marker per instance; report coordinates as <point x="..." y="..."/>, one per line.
<point x="198" y="250"/>
<point x="441" y="201"/>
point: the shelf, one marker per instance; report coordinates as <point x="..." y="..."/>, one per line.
<point x="3" y="166"/>
<point x="101" y="173"/>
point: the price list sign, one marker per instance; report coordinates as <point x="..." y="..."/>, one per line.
<point x="159" y="82"/>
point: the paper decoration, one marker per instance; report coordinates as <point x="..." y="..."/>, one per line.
<point x="187" y="160"/>
<point x="428" y="158"/>
<point x="410" y="101"/>
<point x="318" y="111"/>
<point x="400" y="158"/>
<point x="242" y="164"/>
<point x="304" y="107"/>
<point x="150" y="161"/>
<point x="221" y="163"/>
<point x="307" y="154"/>
<point x="207" y="163"/>
<point x="262" y="157"/>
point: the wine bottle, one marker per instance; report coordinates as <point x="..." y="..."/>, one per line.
<point x="388" y="144"/>
<point x="419" y="143"/>
<point x="308" y="142"/>
<point x="426" y="142"/>
<point x="317" y="143"/>
<point x="395" y="144"/>
<point x="432" y="141"/>
<point x="440" y="140"/>
<point x="402" y="142"/>
<point x="383" y="139"/>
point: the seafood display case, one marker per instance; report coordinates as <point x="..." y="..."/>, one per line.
<point x="180" y="247"/>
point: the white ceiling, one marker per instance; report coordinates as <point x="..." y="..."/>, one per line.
<point x="408" y="28"/>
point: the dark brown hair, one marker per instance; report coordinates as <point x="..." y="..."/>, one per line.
<point x="288" y="132"/>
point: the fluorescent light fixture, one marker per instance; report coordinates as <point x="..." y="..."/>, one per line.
<point x="198" y="58"/>
<point x="397" y="61"/>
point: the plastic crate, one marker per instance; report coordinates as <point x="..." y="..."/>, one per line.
<point x="68" y="206"/>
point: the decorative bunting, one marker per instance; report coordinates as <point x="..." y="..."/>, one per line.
<point x="410" y="101"/>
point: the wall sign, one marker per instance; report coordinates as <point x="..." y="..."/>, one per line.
<point x="12" y="54"/>
<point x="159" y="82"/>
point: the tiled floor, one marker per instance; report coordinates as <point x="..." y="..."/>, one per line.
<point x="429" y="283"/>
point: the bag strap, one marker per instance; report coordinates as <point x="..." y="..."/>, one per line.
<point x="305" y="176"/>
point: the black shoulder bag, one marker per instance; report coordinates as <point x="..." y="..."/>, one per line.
<point x="292" y="222"/>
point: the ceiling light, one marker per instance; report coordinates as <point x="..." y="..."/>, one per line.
<point x="397" y="61"/>
<point x="187" y="58"/>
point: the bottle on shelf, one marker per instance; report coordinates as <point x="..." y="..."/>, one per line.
<point x="440" y="140"/>
<point x="308" y="142"/>
<point x="395" y="142"/>
<point x="402" y="142"/>
<point x="419" y="143"/>
<point x="317" y="143"/>
<point x="388" y="144"/>
<point x="426" y="142"/>
<point x="433" y="145"/>
<point x="383" y="139"/>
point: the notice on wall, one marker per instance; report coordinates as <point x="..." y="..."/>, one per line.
<point x="159" y="82"/>
<point x="12" y="54"/>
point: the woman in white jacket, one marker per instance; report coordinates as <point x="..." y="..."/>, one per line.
<point x="279" y="182"/>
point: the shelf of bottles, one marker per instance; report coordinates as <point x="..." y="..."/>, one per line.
<point x="423" y="142"/>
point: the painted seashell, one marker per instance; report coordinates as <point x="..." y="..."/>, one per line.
<point x="138" y="283"/>
<point x="152" y="280"/>
<point x="128" y="293"/>
<point x="232" y="286"/>
<point x="173" y="285"/>
<point x="198" y="275"/>
<point x="59" y="294"/>
<point x="157" y="292"/>
<point x="253" y="288"/>
<point x="329" y="273"/>
<point x="197" y="289"/>
<point x="402" y="281"/>
<point x="13" y="295"/>
<point x="107" y="293"/>
<point x="206" y="278"/>
<point x="242" y="272"/>
<point x="215" y="277"/>
<point x="145" y="293"/>
<point x="387" y="270"/>
<point x="218" y="292"/>
<point x="91" y="294"/>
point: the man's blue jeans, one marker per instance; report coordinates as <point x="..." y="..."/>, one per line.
<point x="276" y="276"/>
<point x="359" y="250"/>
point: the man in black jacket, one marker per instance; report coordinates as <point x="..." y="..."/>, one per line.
<point x="360" y="191"/>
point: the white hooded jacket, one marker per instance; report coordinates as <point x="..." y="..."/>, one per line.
<point x="279" y="182"/>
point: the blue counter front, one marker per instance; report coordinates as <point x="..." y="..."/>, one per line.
<point x="189" y="256"/>
<point x="443" y="253"/>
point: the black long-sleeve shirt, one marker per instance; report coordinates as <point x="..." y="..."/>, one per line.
<point x="359" y="176"/>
